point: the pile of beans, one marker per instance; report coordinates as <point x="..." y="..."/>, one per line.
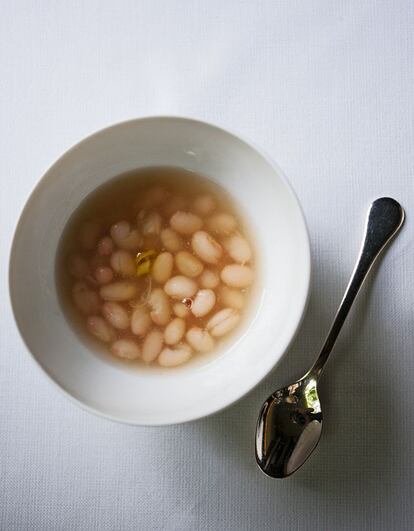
<point x="165" y="285"/>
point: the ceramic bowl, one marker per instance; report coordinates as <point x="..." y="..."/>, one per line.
<point x="155" y="397"/>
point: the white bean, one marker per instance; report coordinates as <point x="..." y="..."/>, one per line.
<point x="203" y="302"/>
<point x="123" y="263"/>
<point x="222" y="223"/>
<point x="86" y="300"/>
<point x="124" y="237"/>
<point x="172" y="357"/>
<point x="185" y="222"/>
<point x="204" y="205"/>
<point x="174" y="204"/>
<point x="152" y="224"/>
<point x="238" y="248"/>
<point x="188" y="264"/>
<point x="103" y="275"/>
<point x="162" y="267"/>
<point x="233" y="298"/>
<point x="132" y="242"/>
<point x="174" y="331"/>
<point x="206" y="247"/>
<point x="100" y="329"/>
<point x="78" y="266"/>
<point x="152" y="345"/>
<point x="118" y="291"/>
<point x="209" y="278"/>
<point x="237" y="276"/>
<point x="223" y="322"/>
<point x="120" y="230"/>
<point x="160" y="307"/>
<point x="199" y="339"/>
<point x="116" y="314"/>
<point x="181" y="310"/>
<point x="170" y="240"/>
<point x="125" y="348"/>
<point x="89" y="234"/>
<point x="140" y="321"/>
<point x="180" y="287"/>
<point x="105" y="246"/>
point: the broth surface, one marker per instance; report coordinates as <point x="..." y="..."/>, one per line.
<point x="157" y="266"/>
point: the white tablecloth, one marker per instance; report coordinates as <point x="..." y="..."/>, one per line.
<point x="326" y="87"/>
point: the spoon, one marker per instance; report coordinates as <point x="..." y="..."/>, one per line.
<point x="290" y="421"/>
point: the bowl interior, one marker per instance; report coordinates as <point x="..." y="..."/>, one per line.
<point x="277" y="227"/>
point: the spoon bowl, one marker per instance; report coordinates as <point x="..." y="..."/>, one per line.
<point x="289" y="428"/>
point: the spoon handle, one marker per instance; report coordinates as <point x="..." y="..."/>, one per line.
<point x="385" y="218"/>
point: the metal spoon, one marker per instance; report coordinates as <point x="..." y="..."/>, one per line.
<point x="290" y="421"/>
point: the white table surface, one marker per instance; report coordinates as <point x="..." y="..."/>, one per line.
<point x="326" y="87"/>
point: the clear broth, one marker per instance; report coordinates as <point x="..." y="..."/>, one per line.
<point x="117" y="200"/>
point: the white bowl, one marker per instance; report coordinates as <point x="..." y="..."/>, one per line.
<point x="156" y="397"/>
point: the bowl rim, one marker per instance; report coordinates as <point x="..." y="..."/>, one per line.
<point x="43" y="181"/>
